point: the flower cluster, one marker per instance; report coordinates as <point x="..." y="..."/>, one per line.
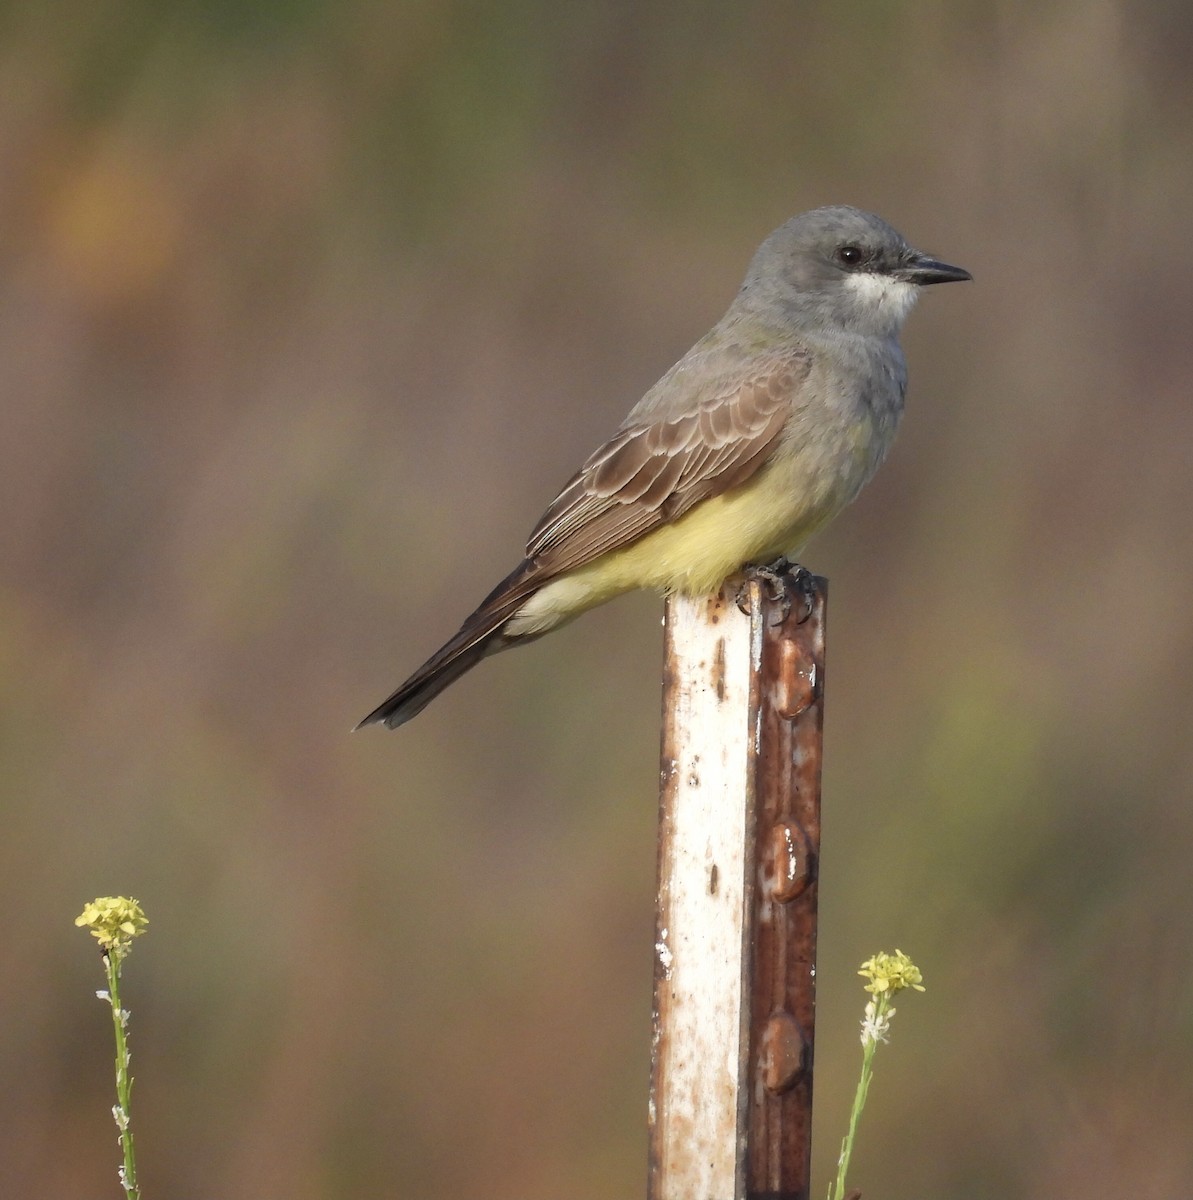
<point x="886" y="975"/>
<point x="891" y="973"/>
<point x="114" y="921"/>
<point x="876" y="1026"/>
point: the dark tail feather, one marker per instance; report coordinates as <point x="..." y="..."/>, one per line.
<point x="429" y="680"/>
<point x="480" y="635"/>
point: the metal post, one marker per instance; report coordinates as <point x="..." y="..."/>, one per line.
<point x="739" y="837"/>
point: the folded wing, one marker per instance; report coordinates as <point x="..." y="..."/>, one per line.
<point x="665" y="459"/>
<point x="651" y="472"/>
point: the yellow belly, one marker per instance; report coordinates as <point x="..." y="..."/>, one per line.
<point x="774" y="513"/>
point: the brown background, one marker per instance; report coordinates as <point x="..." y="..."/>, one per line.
<point x="305" y="311"/>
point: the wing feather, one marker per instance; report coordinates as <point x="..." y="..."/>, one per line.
<point x="653" y="470"/>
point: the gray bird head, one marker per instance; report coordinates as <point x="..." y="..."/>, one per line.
<point x="841" y="268"/>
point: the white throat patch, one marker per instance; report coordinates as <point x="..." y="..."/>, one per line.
<point x="889" y="299"/>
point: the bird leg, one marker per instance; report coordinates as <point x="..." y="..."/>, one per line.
<point x="781" y="578"/>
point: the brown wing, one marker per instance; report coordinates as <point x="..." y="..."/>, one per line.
<point x="653" y="471"/>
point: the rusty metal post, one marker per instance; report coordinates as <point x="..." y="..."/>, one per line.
<point x="739" y="838"/>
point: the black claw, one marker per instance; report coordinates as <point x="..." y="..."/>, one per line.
<point x="804" y="582"/>
<point x="781" y="578"/>
<point x="741" y="597"/>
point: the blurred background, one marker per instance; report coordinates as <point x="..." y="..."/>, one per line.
<point x="306" y="310"/>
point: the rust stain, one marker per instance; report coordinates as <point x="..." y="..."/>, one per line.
<point x="787" y="865"/>
<point x="783" y="1053"/>
<point x="785" y="775"/>
<point x="797" y="685"/>
<point x="718" y="670"/>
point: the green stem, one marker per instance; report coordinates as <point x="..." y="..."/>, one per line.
<point x="124" y="1082"/>
<point x="859" y="1102"/>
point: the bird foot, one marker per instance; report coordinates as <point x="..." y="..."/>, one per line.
<point x="781" y="578"/>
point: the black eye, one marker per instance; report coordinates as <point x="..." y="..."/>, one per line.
<point x="850" y="256"/>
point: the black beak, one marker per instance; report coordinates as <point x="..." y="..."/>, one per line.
<point x="920" y="269"/>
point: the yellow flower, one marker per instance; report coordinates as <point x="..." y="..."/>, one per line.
<point x="114" y="921"/>
<point x="891" y="973"/>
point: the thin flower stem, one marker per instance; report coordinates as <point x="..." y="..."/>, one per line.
<point x="859" y="1102"/>
<point x="114" y="921"/>
<point x="124" y="1083"/>
<point x="888" y="974"/>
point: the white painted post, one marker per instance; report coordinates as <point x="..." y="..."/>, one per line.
<point x="739" y="831"/>
<point x="700" y="1033"/>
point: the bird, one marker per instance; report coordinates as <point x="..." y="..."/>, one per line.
<point x="757" y="437"/>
